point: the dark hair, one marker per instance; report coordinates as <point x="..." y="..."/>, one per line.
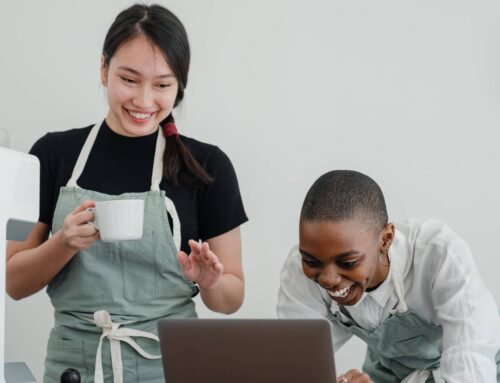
<point x="165" y="31"/>
<point x="344" y="194"/>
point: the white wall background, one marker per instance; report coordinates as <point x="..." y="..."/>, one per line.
<point x="406" y="91"/>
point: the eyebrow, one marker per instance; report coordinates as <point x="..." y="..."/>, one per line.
<point x="137" y="73"/>
<point x="337" y="256"/>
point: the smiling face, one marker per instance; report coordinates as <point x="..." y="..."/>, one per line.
<point x="344" y="257"/>
<point x="141" y="88"/>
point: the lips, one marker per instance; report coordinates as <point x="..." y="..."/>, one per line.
<point x="340" y="293"/>
<point x="139" y="116"/>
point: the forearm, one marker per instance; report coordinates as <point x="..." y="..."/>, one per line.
<point x="226" y="297"/>
<point x="30" y="270"/>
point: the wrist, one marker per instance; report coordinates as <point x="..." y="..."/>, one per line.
<point x="62" y="246"/>
<point x="210" y="287"/>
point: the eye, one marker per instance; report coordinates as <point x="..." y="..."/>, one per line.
<point x="164" y="85"/>
<point x="128" y="80"/>
<point x="348" y="264"/>
<point x="310" y="262"/>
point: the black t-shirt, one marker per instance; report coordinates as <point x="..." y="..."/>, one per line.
<point x="119" y="164"/>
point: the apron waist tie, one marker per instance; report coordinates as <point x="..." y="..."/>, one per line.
<point x="115" y="334"/>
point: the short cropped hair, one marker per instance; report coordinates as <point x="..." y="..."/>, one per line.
<point x="340" y="195"/>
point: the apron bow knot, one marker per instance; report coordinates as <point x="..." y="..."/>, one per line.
<point x="115" y="335"/>
<point x="103" y="319"/>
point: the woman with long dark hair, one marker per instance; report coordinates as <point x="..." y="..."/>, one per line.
<point x="108" y="294"/>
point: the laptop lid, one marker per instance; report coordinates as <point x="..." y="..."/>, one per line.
<point x="246" y="350"/>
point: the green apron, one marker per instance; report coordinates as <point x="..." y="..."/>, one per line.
<point x="404" y="348"/>
<point x="108" y="298"/>
<point x="400" y="345"/>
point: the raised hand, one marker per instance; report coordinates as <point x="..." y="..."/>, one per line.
<point x="201" y="266"/>
<point x="76" y="233"/>
<point x="354" y="376"/>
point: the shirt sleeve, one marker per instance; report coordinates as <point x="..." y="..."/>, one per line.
<point x="299" y="297"/>
<point x="40" y="149"/>
<point x="469" y="317"/>
<point x="221" y="207"/>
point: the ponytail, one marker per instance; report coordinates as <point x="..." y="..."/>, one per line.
<point x="178" y="161"/>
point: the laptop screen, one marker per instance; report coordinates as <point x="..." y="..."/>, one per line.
<point x="246" y="350"/>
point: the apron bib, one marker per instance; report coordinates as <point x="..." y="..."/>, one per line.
<point x="404" y="348"/>
<point x="108" y="298"/>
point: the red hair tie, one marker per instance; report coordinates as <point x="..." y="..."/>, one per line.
<point x="169" y="129"/>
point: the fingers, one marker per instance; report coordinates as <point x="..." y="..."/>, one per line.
<point x="195" y="246"/>
<point x="81" y="214"/>
<point x="201" y="254"/>
<point x="354" y="376"/>
<point x="189" y="265"/>
<point x="86" y="242"/>
<point x="84" y="206"/>
<point x="87" y="230"/>
<point x="78" y="243"/>
<point x="183" y="259"/>
<point x="202" y="265"/>
<point x="77" y="234"/>
<point x="77" y="225"/>
<point x="209" y="257"/>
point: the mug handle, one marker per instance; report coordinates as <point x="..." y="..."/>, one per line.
<point x="95" y="224"/>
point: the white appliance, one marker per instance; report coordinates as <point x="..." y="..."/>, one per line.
<point x="19" y="209"/>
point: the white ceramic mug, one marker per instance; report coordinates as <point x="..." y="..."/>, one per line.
<point x="119" y="220"/>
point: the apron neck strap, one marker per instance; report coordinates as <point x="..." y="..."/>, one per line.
<point x="156" y="176"/>
<point x="397" y="282"/>
<point x="84" y="155"/>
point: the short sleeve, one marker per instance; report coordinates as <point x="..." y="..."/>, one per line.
<point x="221" y="205"/>
<point x="40" y="149"/>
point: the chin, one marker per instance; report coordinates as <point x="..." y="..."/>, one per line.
<point x="355" y="296"/>
<point x="139" y="131"/>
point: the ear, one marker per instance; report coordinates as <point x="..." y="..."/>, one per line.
<point x="104" y="71"/>
<point x="387" y="237"/>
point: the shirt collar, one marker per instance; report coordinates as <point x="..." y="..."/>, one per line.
<point x="382" y="293"/>
<point x="398" y="256"/>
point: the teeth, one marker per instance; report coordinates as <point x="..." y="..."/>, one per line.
<point x="342" y="293"/>
<point x="141" y="116"/>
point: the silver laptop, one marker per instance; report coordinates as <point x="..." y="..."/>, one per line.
<point x="246" y="350"/>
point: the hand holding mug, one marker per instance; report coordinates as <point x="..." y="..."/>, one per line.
<point x="76" y="233"/>
<point x="201" y="266"/>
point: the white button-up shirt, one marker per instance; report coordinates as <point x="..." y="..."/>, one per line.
<point x="441" y="285"/>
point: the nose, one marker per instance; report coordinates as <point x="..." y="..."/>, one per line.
<point x="143" y="98"/>
<point x="329" y="277"/>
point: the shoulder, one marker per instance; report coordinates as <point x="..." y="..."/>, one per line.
<point x="208" y="155"/>
<point x="292" y="264"/>
<point x="291" y="271"/>
<point x="292" y="277"/>
<point x="431" y="236"/>
<point x="60" y="141"/>
<point x="197" y="147"/>
<point x="435" y="250"/>
<point x="430" y="230"/>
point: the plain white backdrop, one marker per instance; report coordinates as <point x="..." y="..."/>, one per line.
<point x="405" y="91"/>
